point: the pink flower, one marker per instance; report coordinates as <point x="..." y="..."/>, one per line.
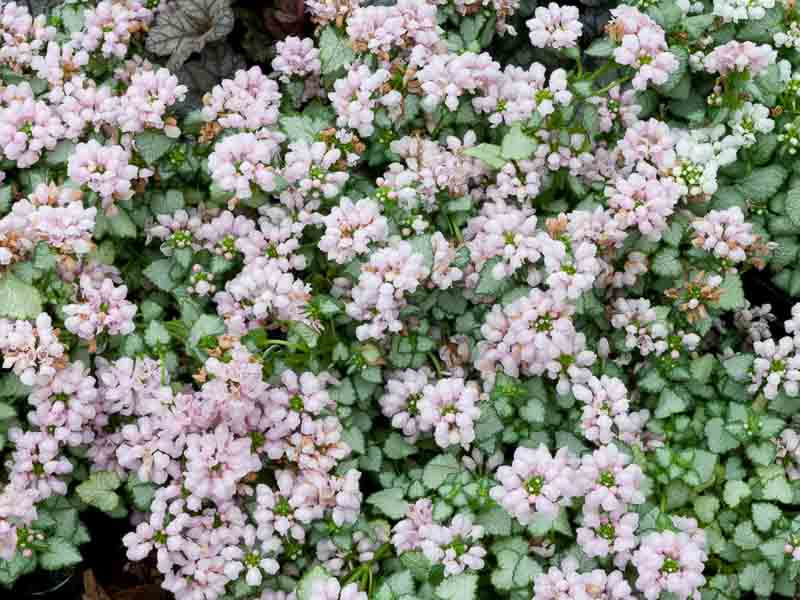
<point x="567" y="582"/>
<point x="331" y="589"/>
<point x="296" y="57"/>
<point x="249" y="101"/>
<point x="537" y="483"/>
<point x="350" y="228"/>
<point x="358" y="95"/>
<point x="32" y="350"/>
<point x="104" y="308"/>
<point x="449" y="408"/>
<point x="384" y="281"/>
<point x="740" y="56"/>
<point x="400" y="402"/>
<point x="28" y="126"/>
<point x="242" y="161"/>
<point x="555" y="26"/>
<point x="216" y="462"/>
<point x="453" y="546"/>
<point x="671" y="562"/>
<point x="407" y="534"/>
<point x="103" y="169"/>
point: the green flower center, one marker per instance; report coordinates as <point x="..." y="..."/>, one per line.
<point x="544" y="323"/>
<point x="670" y="565"/>
<point x="180" y="239"/>
<point x="252" y="559"/>
<point x="606" y="531"/>
<point x="607" y="479"/>
<point x="459" y="546"/>
<point x="296" y="403"/>
<point x="534" y="485"/>
<point x="282" y="507"/>
<point x="412" y="403"/>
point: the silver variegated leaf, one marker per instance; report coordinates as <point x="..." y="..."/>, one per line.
<point x="188" y="27"/>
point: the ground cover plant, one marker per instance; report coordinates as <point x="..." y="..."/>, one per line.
<point x="426" y="299"/>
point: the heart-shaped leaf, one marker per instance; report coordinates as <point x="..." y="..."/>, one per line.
<point x="188" y="27"/>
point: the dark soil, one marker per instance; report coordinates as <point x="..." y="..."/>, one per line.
<point x="105" y="574"/>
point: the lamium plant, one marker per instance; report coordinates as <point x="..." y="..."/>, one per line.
<point x="426" y="300"/>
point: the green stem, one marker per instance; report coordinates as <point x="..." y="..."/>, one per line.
<point x="436" y="363"/>
<point x="279" y="342"/>
<point x="355" y="574"/>
<point x="601" y="71"/>
<point x="614" y="83"/>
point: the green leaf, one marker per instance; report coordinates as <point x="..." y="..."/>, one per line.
<point x="778" y="488"/>
<point x="765" y="514"/>
<point x="757" y="577"/>
<point x="19" y="565"/>
<point x="735" y="491"/>
<point x="652" y="382"/>
<point x="159" y="272"/>
<point x="18" y="300"/>
<point x="156" y="334"/>
<point x="187" y="28"/>
<point x="395" y="586"/>
<point x="488" y="153"/>
<point x="703" y="467"/>
<point x="515" y="568"/>
<point x="439" y="469"/>
<point x="98" y="490"/>
<point x="390" y="502"/>
<point x="701" y="368"/>
<point x="421" y="244"/>
<point x="122" y="226"/>
<point x="59" y="555"/>
<point x="763" y="183"/>
<point x="738" y="367"/>
<point x="732" y="297"/>
<point x="44" y="257"/>
<point x="517" y="145"/>
<point x="669" y="403"/>
<point x="601" y="47"/>
<point x="141" y="492"/>
<point x="152" y="145"/>
<point x="302" y="127"/>
<point x="458" y="587"/>
<point x="762" y="454"/>
<point x="666" y="263"/>
<point x="746" y="537"/>
<point x="697" y="25"/>
<point x="300" y="333"/>
<point x="334" y="50"/>
<point x="353" y="437"/>
<point x="7" y="411"/>
<point x="488" y="424"/>
<point x="494" y="520"/>
<point x="705" y="507"/>
<point x="206" y="325"/>
<point x="396" y="447"/>
<point x="533" y="411"/>
<point x="488" y="284"/>
<point x="792" y="206"/>
<point x="167" y="203"/>
<point x="307" y="582"/>
<point x="12" y="387"/>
